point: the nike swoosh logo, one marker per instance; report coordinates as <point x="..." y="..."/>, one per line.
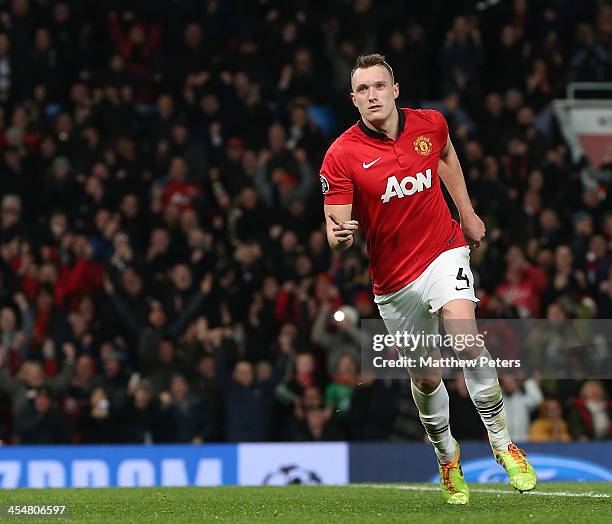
<point x="461" y="288"/>
<point x="368" y="166"/>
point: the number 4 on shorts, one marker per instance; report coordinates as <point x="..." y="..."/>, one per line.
<point x="461" y="276"/>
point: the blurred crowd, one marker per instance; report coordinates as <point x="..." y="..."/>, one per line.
<point x="164" y="270"/>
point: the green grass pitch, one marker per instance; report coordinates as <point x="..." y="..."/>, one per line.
<point x="408" y="503"/>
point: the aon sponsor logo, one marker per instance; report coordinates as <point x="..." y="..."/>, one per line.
<point x="408" y="186"/>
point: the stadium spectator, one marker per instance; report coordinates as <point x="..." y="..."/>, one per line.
<point x="248" y="402"/>
<point x="15" y="340"/>
<point x="304" y="375"/>
<point x="142" y="422"/>
<point x="549" y="426"/>
<point x="591" y="416"/>
<point x="509" y="60"/>
<point x="136" y="44"/>
<point x="319" y="427"/>
<point x="523" y="284"/>
<point x="97" y="420"/>
<point x="590" y="59"/>
<point x="412" y="49"/>
<point x="114" y="377"/>
<point x="341" y="53"/>
<point x="10" y="211"/>
<point x="462" y="57"/>
<point x="312" y="419"/>
<point x="187" y="416"/>
<point x="38" y="421"/>
<point x="31" y="377"/>
<point x="281" y="177"/>
<point x="310" y="398"/>
<point x="521" y="397"/>
<point x="340" y="336"/>
<point x="83" y="382"/>
<point x="339" y="391"/>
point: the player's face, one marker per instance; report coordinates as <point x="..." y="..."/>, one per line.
<point x="374" y="93"/>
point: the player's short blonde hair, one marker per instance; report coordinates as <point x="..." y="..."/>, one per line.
<point x="374" y="59"/>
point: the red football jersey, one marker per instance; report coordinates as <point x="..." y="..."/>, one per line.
<point x="396" y="195"/>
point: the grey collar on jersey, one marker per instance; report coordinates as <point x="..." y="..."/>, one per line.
<point x="381" y="136"/>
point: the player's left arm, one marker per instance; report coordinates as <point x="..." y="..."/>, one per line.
<point x="451" y="174"/>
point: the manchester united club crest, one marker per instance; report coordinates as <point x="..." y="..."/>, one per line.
<point x="422" y="145"/>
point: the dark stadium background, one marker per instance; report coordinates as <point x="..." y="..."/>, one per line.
<point x="164" y="272"/>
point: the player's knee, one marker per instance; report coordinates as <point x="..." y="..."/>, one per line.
<point x="470" y="351"/>
<point x="426" y="385"/>
<point x="459" y="309"/>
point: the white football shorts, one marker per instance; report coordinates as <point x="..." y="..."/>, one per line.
<point x="447" y="278"/>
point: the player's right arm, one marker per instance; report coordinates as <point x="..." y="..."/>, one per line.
<point x="340" y="227"/>
<point x="337" y="186"/>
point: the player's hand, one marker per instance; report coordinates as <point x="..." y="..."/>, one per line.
<point x="343" y="230"/>
<point x="473" y="229"/>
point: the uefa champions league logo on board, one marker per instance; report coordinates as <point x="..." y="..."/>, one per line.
<point x="293" y="474"/>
